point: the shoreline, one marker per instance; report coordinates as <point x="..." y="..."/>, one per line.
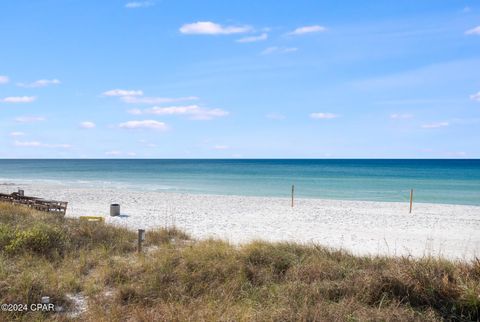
<point x="360" y="227"/>
<point x="10" y="186"/>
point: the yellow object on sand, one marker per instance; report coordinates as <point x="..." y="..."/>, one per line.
<point x="92" y="218"/>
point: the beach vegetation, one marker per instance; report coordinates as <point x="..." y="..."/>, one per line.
<point x="92" y="272"/>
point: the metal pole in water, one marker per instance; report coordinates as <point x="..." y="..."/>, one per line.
<point x="411" y="200"/>
<point x="293" y="193"/>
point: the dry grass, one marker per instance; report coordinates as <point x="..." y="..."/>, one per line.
<point x="178" y="279"/>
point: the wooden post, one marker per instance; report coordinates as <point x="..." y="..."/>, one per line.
<point x="141" y="238"/>
<point x="411" y="200"/>
<point x="293" y="193"/>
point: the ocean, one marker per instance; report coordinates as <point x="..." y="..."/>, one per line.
<point x="434" y="181"/>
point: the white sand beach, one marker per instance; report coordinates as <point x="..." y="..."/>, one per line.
<point x="362" y="227"/>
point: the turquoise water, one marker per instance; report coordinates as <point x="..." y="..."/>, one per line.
<point x="437" y="181"/>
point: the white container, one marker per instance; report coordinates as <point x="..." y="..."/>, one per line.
<point x="114" y="209"/>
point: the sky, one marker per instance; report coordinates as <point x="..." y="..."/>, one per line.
<point x="239" y="79"/>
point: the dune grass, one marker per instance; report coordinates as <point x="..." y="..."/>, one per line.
<point x="180" y="279"/>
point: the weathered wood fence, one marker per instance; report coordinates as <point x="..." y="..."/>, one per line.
<point x="59" y="207"/>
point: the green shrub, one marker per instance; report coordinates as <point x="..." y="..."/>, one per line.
<point x="40" y="239"/>
<point x="6" y="235"/>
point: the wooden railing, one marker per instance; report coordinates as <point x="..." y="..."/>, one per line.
<point x="54" y="206"/>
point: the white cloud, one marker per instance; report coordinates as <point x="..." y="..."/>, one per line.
<point x="29" y="119"/>
<point x="16" y="134"/>
<point x="275" y="116"/>
<point x="87" y="125"/>
<point x="211" y="28"/>
<point x="278" y="50"/>
<point x="475" y="97"/>
<point x="113" y="153"/>
<point x="139" y="4"/>
<point x="171" y="110"/>
<point x="401" y="116"/>
<point x="435" y="125"/>
<point x="18" y="99"/>
<point x="136" y="97"/>
<point x="146" y="124"/>
<point x="261" y="37"/>
<point x="155" y="100"/>
<point x="323" y="116"/>
<point x="36" y="144"/>
<point x="4" y="79"/>
<point x="473" y="31"/>
<point x="27" y="144"/>
<point x="307" y="30"/>
<point x="195" y="112"/>
<point x="40" y="83"/>
<point x="131" y="154"/>
<point x="220" y="147"/>
<point x="123" y="92"/>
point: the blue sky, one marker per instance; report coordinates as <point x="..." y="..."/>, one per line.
<point x="233" y="79"/>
